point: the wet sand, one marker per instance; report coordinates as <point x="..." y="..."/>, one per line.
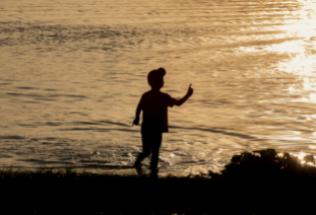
<point x="73" y="71"/>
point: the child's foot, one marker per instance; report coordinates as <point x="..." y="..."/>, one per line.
<point x="138" y="168"/>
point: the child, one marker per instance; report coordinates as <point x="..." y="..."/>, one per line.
<point x="154" y="105"/>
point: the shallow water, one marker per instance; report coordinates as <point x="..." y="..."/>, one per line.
<point x="72" y="73"/>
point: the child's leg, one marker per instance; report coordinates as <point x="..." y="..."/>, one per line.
<point x="146" y="149"/>
<point x="156" y="138"/>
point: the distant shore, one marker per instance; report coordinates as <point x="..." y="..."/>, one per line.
<point x="252" y="183"/>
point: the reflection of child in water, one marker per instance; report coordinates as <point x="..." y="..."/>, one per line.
<point x="154" y="105"/>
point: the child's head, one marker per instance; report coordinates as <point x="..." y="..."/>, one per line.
<point x="155" y="78"/>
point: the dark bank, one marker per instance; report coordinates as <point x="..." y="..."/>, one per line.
<point x="258" y="182"/>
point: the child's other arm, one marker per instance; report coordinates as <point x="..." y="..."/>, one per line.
<point x="185" y="97"/>
<point x="137" y="114"/>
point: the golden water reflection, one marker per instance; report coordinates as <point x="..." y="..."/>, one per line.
<point x="252" y="64"/>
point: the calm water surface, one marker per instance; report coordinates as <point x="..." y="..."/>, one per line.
<point x="72" y="73"/>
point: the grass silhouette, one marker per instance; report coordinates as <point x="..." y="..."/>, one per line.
<point x="260" y="182"/>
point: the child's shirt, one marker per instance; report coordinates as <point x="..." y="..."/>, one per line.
<point x="154" y="105"/>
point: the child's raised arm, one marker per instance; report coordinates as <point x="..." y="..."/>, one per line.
<point x="185" y="97"/>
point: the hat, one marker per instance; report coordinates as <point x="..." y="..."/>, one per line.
<point x="156" y="74"/>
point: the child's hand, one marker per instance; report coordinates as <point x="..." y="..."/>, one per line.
<point x="136" y="121"/>
<point x="190" y="90"/>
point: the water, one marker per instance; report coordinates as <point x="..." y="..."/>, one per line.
<point x="72" y="73"/>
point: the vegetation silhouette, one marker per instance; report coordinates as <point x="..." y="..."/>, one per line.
<point x="260" y="182"/>
<point x="154" y="107"/>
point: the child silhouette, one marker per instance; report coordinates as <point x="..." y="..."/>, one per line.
<point x="154" y="105"/>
